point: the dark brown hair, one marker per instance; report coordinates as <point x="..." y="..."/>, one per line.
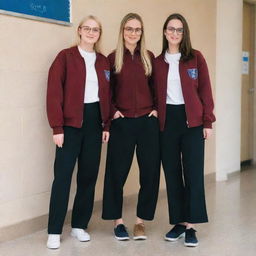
<point x="185" y="47"/>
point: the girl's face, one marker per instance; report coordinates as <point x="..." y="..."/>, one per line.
<point x="89" y="32"/>
<point x="132" y="32"/>
<point x="174" y="32"/>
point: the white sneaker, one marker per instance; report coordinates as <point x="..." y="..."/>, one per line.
<point x="53" y="241"/>
<point x="80" y="234"/>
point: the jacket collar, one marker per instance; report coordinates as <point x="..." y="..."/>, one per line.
<point x="136" y="50"/>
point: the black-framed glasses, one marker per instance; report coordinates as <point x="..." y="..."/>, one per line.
<point x="131" y="30"/>
<point x="88" y="29"/>
<point x="172" y="30"/>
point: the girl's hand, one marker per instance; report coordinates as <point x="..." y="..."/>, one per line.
<point x="58" y="139"/>
<point x="105" y="137"/>
<point x="153" y="113"/>
<point x="207" y="133"/>
<point x="117" y="115"/>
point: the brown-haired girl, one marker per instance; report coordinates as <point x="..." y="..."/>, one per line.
<point x="185" y="112"/>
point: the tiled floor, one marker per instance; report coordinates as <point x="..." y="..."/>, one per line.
<point x="230" y="232"/>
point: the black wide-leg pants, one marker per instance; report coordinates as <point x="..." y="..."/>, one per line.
<point x="182" y="155"/>
<point x="82" y="144"/>
<point x="126" y="135"/>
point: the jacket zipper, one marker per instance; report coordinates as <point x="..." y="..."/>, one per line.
<point x="84" y="89"/>
<point x="99" y="94"/>
<point x="184" y="100"/>
<point x="135" y="102"/>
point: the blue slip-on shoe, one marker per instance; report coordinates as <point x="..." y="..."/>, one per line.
<point x="121" y="232"/>
<point x="175" y="233"/>
<point x="190" y="238"/>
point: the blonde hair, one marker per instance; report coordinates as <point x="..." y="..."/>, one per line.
<point x="90" y="17"/>
<point x="119" y="53"/>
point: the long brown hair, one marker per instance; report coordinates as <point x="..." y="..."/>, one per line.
<point x="185" y="47"/>
<point x="120" y="46"/>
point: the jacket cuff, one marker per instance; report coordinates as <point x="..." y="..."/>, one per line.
<point x="113" y="111"/>
<point x="207" y="125"/>
<point x="58" y="130"/>
<point x="154" y="107"/>
<point x="106" y="126"/>
<point x="106" y="129"/>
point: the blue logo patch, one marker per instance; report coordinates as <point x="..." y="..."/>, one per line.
<point x="193" y="73"/>
<point x="107" y="74"/>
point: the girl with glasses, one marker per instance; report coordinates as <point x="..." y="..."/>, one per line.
<point x="78" y="111"/>
<point x="185" y="112"/>
<point x="134" y="127"/>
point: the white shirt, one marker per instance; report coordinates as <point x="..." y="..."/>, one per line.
<point x="174" y="91"/>
<point x="91" y="83"/>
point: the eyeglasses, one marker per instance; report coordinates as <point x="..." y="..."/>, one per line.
<point x="87" y="29"/>
<point x="171" y="30"/>
<point x="131" y="30"/>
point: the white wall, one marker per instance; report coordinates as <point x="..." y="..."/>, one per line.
<point x="228" y="86"/>
<point x="254" y="109"/>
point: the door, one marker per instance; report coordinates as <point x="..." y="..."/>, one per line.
<point x="247" y="84"/>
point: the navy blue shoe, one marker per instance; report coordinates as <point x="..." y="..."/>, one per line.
<point x="175" y="233"/>
<point x="121" y="232"/>
<point x="190" y="238"/>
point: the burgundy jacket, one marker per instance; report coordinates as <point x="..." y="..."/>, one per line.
<point x="66" y="86"/>
<point x="196" y="89"/>
<point x="131" y="89"/>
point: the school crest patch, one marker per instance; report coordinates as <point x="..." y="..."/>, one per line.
<point x="107" y="74"/>
<point x="193" y="73"/>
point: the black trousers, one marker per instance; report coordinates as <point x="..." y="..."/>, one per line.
<point x="82" y="144"/>
<point x="182" y="154"/>
<point x="126" y="134"/>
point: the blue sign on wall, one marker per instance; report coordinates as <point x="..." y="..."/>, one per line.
<point x="46" y="10"/>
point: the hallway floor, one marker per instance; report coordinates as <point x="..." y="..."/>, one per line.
<point x="231" y="230"/>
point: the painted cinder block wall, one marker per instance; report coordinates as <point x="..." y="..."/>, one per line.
<point x="27" y="49"/>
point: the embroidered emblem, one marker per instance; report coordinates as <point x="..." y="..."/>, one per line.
<point x="193" y="73"/>
<point x="107" y="74"/>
